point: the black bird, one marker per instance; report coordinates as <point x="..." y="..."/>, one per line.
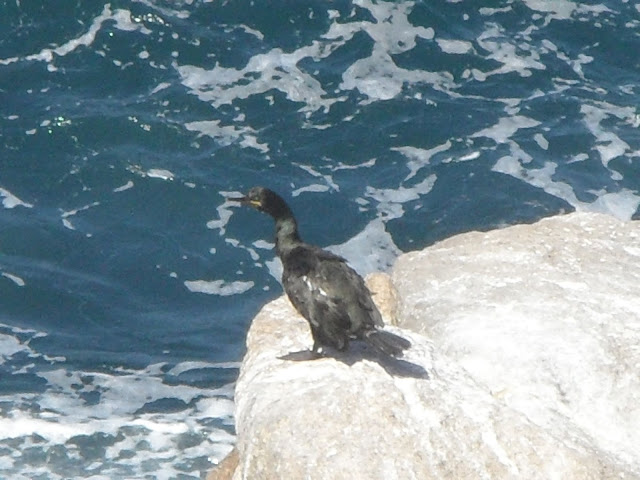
<point x="328" y="293"/>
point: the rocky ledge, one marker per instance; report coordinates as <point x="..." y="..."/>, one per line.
<point x="525" y="364"/>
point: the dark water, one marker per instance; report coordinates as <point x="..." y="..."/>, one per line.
<point x="128" y="281"/>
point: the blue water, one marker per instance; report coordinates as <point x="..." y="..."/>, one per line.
<point x="128" y="281"/>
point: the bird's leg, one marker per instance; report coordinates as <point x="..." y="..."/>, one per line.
<point x="316" y="334"/>
<point x="316" y="350"/>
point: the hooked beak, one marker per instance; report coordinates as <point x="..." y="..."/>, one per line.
<point x="238" y="199"/>
<point x="245" y="201"/>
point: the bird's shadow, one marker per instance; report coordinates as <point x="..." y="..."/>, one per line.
<point x="396" y="367"/>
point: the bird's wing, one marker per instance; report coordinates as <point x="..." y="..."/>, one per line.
<point x="350" y="289"/>
<point x="336" y="288"/>
<point x="307" y="281"/>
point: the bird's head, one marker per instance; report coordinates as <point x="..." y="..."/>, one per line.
<point x="266" y="201"/>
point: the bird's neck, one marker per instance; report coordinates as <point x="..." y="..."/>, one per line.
<point x="287" y="237"/>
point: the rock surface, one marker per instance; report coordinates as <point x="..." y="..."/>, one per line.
<point x="546" y="315"/>
<point x="530" y="337"/>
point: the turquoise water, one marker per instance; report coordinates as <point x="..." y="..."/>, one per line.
<point x="128" y="281"/>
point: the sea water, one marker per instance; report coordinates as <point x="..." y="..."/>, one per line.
<point x="128" y="279"/>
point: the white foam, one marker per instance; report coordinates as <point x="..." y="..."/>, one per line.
<point x="559" y="9"/>
<point x="417" y="158"/>
<point x="161" y="86"/>
<point x="263" y="244"/>
<point x="456" y="47"/>
<point x="256" y="33"/>
<point x="502" y="49"/>
<point x="328" y="181"/>
<point x="376" y="76"/>
<point x="14" y="278"/>
<point x="274" y="266"/>
<point x="160" y="173"/>
<point x="542" y="142"/>
<point x="608" y="144"/>
<point x="192" y="365"/>
<point x="371" y="250"/>
<point x="622" y="204"/>
<point x="264" y="72"/>
<point x="391" y="28"/>
<point x="10" y="345"/>
<point x="216" y="407"/>
<point x="68" y="224"/>
<point x="6" y="463"/>
<point x="218" y="287"/>
<point x="468" y="157"/>
<point x="136" y="443"/>
<point x="391" y="200"/>
<point x="69" y="213"/>
<point x="122" y="20"/>
<point x="541" y="178"/>
<point x="228" y="134"/>
<point x="506" y="127"/>
<point x="314" y="188"/>
<point x="9" y="200"/>
<point x="20" y="425"/>
<point x="379" y="78"/>
<point x="488" y="12"/>
<point x="124" y="187"/>
<point x="224" y="213"/>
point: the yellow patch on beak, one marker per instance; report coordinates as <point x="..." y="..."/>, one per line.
<point x="255" y="203"/>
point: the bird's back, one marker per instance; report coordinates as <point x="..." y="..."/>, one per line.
<point x="325" y="290"/>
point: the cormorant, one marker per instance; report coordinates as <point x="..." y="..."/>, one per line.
<point x="328" y="293"/>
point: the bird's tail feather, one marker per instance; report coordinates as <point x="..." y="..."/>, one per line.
<point x="387" y="342"/>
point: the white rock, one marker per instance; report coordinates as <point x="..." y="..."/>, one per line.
<point x="546" y="316"/>
<point x="530" y="337"/>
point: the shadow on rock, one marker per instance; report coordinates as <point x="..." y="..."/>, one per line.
<point x="396" y="367"/>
